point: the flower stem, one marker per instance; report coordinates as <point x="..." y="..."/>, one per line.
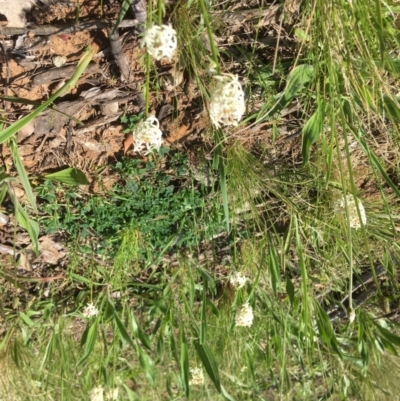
<point x="160" y="9"/>
<point x="148" y="64"/>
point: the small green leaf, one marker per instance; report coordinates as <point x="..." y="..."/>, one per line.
<point x="391" y="337"/>
<point x="325" y="328"/>
<point x="146" y="363"/>
<point x="89" y="339"/>
<point x="123" y="331"/>
<point x="27" y="319"/>
<point x="290" y="290"/>
<point x="70" y="176"/>
<point x="298" y="78"/>
<point x="138" y="332"/>
<point x="311" y="132"/>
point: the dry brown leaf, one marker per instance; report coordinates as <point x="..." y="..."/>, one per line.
<point x="178" y="134"/>
<point x="26" y="259"/>
<point x="128" y="141"/>
<point x="50" y="251"/>
<point x="25" y="131"/>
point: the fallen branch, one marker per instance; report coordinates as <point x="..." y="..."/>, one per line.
<point x="48" y="30"/>
<point x="119" y="56"/>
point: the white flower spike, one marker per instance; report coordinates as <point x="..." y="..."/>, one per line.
<point x="238" y="280"/>
<point x="147" y="133"/>
<point x="97" y="394"/>
<point x="244" y="318"/>
<point x="112" y="395"/>
<point x="227" y="104"/>
<point x="340" y="207"/>
<point x="197" y="377"/>
<point x="90" y="310"/>
<point x="160" y="41"/>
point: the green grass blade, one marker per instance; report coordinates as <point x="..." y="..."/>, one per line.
<point x="69" y="85"/>
<point x="373" y="159"/>
<point x="218" y="163"/>
<point x="31" y="102"/>
<point x="146" y="363"/>
<point x="207" y="358"/>
<point x="22" y="173"/>
<point x="203" y="325"/>
<point x="124" y="8"/>
<point x="225" y="394"/>
<point x="184" y="362"/>
<point x="28" y="224"/>
<point x="311" y="132"/>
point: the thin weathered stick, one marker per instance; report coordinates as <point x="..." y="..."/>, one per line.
<point x="119" y="56"/>
<point x="139" y="8"/>
<point x="47" y="30"/>
<point x="62" y="72"/>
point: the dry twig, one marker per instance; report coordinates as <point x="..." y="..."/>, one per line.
<point x="69" y="27"/>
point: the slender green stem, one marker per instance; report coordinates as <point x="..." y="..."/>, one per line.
<point x="160" y="9"/>
<point x="148" y="65"/>
<point x="214" y="49"/>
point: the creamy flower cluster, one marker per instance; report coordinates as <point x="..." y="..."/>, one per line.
<point x="227" y="104"/>
<point x="340" y="207"/>
<point x="197" y="377"/>
<point x="97" y="394"/>
<point x="160" y="41"/>
<point x="147" y="134"/>
<point x="90" y="311"/>
<point x="238" y="280"/>
<point x="244" y="317"/>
